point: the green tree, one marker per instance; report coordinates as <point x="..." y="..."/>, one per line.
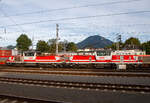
<point x="23" y="42"/>
<point x="132" y="43"/>
<point x="52" y="45"/>
<point x="71" y="47"/>
<point x="114" y="46"/>
<point x="146" y="47"/>
<point x="42" y="46"/>
<point x="62" y="45"/>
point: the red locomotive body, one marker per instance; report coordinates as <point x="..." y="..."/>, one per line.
<point x="32" y="57"/>
<point x="134" y="57"/>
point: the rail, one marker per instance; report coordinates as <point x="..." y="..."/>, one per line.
<point x="78" y="85"/>
<point x="78" y="73"/>
<point x="15" y="99"/>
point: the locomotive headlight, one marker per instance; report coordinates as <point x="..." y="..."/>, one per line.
<point x="9" y="58"/>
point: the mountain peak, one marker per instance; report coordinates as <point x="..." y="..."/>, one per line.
<point x="94" y="41"/>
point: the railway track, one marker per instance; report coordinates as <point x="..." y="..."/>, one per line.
<point x="55" y="69"/>
<point x="78" y="73"/>
<point x="78" y="85"/>
<point x="12" y="99"/>
<point x="72" y="69"/>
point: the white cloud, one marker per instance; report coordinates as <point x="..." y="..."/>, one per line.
<point x="74" y="30"/>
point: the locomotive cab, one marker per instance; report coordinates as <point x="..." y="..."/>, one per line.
<point x="127" y="56"/>
<point x="103" y="55"/>
<point x="29" y="55"/>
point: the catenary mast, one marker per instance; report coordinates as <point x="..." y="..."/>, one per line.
<point x="57" y="29"/>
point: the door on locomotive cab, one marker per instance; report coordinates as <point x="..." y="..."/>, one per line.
<point x="29" y="55"/>
<point x="103" y="55"/>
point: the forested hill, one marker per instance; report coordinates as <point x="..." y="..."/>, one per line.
<point x="95" y="41"/>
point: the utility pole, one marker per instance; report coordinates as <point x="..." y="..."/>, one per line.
<point x="118" y="42"/>
<point x="57" y="29"/>
<point x="32" y="41"/>
<point x="119" y="39"/>
<point x="5" y="31"/>
<point x="1" y="37"/>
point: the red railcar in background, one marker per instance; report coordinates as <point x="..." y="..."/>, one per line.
<point x="4" y="55"/>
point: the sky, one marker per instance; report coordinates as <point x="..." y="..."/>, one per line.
<point x="77" y="19"/>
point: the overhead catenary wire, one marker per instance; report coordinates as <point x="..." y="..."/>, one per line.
<point x="75" y="18"/>
<point x="116" y="2"/>
<point x="42" y="21"/>
<point x="12" y="20"/>
<point x="101" y="26"/>
<point x="74" y="7"/>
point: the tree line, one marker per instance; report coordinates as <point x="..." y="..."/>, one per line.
<point x="24" y="42"/>
<point x="131" y="43"/>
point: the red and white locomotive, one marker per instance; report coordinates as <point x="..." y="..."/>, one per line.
<point x="102" y="57"/>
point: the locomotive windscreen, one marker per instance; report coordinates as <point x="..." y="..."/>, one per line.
<point x="29" y="54"/>
<point x="103" y="53"/>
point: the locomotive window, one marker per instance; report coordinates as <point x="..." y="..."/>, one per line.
<point x="103" y="53"/>
<point x="29" y="54"/>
